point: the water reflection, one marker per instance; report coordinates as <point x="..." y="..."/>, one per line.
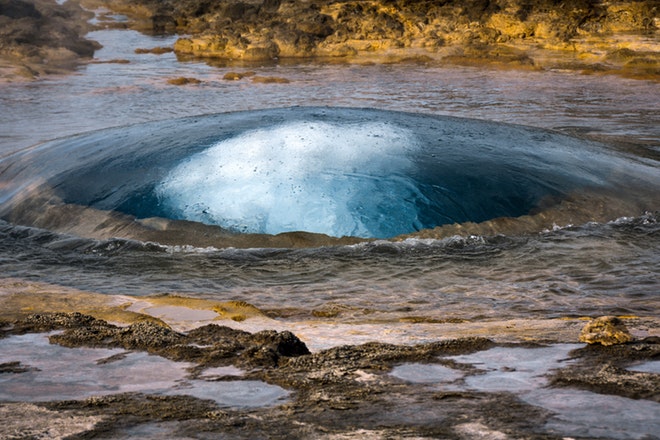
<point x="104" y="95"/>
<point x="47" y="375"/>
<point x="522" y="371"/>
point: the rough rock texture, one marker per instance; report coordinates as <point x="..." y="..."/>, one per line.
<point x="208" y="345"/>
<point x="28" y="421"/>
<point x="603" y="35"/>
<point x="605" y="330"/>
<point x="340" y="393"/>
<point x="603" y="369"/>
<point x="40" y="37"/>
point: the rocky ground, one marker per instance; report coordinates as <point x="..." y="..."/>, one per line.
<point x="40" y="37"/>
<point x="611" y="36"/>
<point x="620" y="37"/>
<point x="338" y="393"/>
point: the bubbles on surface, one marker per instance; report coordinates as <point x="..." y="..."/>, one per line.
<point x="302" y="176"/>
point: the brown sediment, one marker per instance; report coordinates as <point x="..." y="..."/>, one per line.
<point x="182" y="81"/>
<point x="154" y="50"/>
<point x="21" y="298"/>
<point x="317" y="326"/>
<point x="173" y="306"/>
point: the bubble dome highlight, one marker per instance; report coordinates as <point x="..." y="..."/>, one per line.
<point x="333" y="171"/>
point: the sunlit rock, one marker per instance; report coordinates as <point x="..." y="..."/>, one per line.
<point x="551" y="34"/>
<point x="606" y="330"/>
<point x="40" y="37"/>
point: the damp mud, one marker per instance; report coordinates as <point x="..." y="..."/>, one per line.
<point x="218" y="380"/>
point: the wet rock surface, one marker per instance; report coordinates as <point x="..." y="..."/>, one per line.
<point x="39" y="37"/>
<point x="210" y="345"/>
<point x="601" y="36"/>
<point x="342" y="392"/>
<point x="604" y="369"/>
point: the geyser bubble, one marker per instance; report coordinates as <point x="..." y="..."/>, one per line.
<point x="337" y="171"/>
<point x="302" y="176"/>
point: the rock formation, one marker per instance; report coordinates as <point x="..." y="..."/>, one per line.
<point x="594" y="35"/>
<point x="599" y="35"/>
<point x="40" y="37"/>
<point x="606" y="330"/>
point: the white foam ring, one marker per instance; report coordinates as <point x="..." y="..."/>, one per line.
<point x="299" y="176"/>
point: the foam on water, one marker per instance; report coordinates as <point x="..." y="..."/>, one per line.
<point x="301" y="176"/>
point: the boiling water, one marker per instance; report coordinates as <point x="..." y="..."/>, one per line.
<point x="452" y="217"/>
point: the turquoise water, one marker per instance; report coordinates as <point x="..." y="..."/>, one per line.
<point x="576" y="252"/>
<point x="88" y="160"/>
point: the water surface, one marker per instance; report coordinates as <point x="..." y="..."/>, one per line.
<point x="595" y="255"/>
<point x="110" y="182"/>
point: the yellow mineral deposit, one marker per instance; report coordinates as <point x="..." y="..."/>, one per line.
<point x="605" y="330"/>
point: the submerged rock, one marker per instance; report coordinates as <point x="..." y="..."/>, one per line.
<point x="15" y="368"/>
<point x="606" y="330"/>
<point x="182" y="81"/>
